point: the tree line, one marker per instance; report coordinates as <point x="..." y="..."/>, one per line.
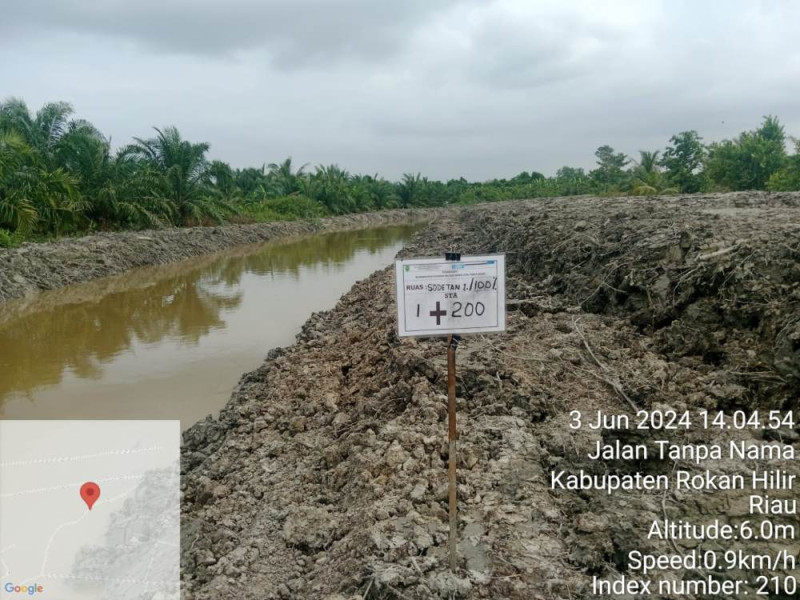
<point x="60" y="176"/>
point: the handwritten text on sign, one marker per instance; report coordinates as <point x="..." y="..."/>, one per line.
<point x="438" y="297"/>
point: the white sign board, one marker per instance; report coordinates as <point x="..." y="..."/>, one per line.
<point x="439" y="297"/>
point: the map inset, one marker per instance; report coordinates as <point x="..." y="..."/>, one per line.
<point x="90" y="509"/>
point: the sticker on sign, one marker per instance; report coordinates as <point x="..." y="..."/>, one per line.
<point x="439" y="297"/>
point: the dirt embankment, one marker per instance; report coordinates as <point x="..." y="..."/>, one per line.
<point x="325" y="476"/>
<point x="36" y="267"/>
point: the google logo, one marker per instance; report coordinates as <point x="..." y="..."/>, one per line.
<point x="24" y="589"/>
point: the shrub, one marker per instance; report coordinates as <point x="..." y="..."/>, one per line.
<point x="7" y="239"/>
<point x="285" y="208"/>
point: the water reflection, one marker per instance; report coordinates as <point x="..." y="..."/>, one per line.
<point x="37" y="347"/>
<point x="192" y="319"/>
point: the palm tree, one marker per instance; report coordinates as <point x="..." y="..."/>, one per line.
<point x="50" y="132"/>
<point x="285" y="180"/>
<point x="222" y="182"/>
<point x="647" y="178"/>
<point x="330" y="186"/>
<point x="648" y="161"/>
<point x="183" y="167"/>
<point x="413" y="190"/>
<point x="31" y="195"/>
<point x="17" y="211"/>
<point x="253" y="184"/>
<point x="121" y="190"/>
<point x="373" y="192"/>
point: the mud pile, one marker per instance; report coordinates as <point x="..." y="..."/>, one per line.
<point x="716" y="277"/>
<point x="35" y="267"/>
<point x="325" y="476"/>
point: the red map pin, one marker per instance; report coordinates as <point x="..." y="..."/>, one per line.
<point x="90" y="492"/>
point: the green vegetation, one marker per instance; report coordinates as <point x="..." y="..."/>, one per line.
<point x="683" y="161"/>
<point x="749" y="161"/>
<point x="60" y="176"/>
<point x="787" y="178"/>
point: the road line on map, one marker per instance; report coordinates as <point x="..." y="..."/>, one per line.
<point x="58" y="459"/>
<point x="2" y="562"/>
<point x="68" y="524"/>
<point x="49" y="543"/>
<point x="67" y="486"/>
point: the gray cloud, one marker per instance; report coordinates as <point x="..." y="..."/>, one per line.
<point x="294" y="32"/>
<point x="480" y="88"/>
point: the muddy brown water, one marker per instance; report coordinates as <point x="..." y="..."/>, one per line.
<point x="171" y="342"/>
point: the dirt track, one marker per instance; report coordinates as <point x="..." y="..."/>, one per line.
<point x="325" y="476"/>
<point x="36" y="267"/>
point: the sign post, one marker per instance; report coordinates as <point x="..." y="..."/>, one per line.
<point x="451" y="296"/>
<point x="452" y="456"/>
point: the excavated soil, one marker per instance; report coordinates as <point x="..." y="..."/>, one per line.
<point x="325" y="476"/>
<point x="34" y="267"/>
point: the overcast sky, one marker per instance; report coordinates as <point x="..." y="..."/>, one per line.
<point x="478" y="88"/>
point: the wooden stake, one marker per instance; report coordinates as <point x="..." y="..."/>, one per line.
<point x="452" y="436"/>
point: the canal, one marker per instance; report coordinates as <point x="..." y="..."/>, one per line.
<point x="171" y="342"/>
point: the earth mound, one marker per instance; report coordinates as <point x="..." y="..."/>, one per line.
<point x="325" y="475"/>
